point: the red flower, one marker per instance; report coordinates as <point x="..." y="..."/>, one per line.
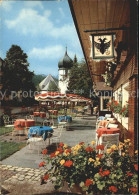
<point x="68" y="163"/>
<point x="133" y="189"/>
<point x="60" y="150"/>
<point x="113" y="189"/>
<point x="89" y="149"/>
<point x="44" y="151"/>
<point x="52" y="155"/>
<point x="113" y="100"/>
<point x="129" y="174"/>
<point x="88" y="182"/>
<point x="61" y="144"/>
<point x="106" y="172"/>
<point x="100" y="147"/>
<point x="46" y="177"/>
<point x="100" y="170"/>
<point x="42" y="164"/>
<point x="116" y="103"/>
<point x="136" y="167"/>
<point x="81" y="143"/>
<point x="99" y="155"/>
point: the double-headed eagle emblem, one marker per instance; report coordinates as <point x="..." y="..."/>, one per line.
<point x="102" y="46"/>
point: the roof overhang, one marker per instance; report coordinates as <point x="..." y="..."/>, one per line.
<point x="99" y="16"/>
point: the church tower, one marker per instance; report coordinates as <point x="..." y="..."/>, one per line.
<point x="64" y="66"/>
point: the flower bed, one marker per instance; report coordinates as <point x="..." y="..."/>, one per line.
<point x="95" y="170"/>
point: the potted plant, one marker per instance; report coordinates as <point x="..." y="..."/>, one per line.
<point x="93" y="169"/>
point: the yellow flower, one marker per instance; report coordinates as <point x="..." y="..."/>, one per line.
<point x="123" y="154"/>
<point x="125" y="141"/>
<point x="75" y="153"/>
<point x="93" y="142"/>
<point x="62" y="161"/>
<point x="128" y="140"/>
<point x="130" y="144"/>
<point x="97" y="163"/>
<point x="65" y="146"/>
<point x="97" y="159"/>
<point x="136" y="151"/>
<point x="108" y="151"/>
<point x="56" y="153"/>
<point x="66" y="154"/>
<point x="114" y="147"/>
<point x="91" y="160"/>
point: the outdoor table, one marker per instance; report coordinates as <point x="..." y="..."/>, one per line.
<point x="55" y="112"/>
<point x="36" y="113"/>
<point x="42" y="114"/>
<point x="40" y="131"/>
<point x="66" y="118"/>
<point x="104" y="130"/>
<point x="19" y="124"/>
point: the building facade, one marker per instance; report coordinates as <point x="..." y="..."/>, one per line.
<point x="118" y="18"/>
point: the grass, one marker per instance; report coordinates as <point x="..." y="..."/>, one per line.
<point x="8" y="148"/>
<point x="4" y="130"/>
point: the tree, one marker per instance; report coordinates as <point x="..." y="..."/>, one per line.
<point x="79" y="79"/>
<point x="17" y="76"/>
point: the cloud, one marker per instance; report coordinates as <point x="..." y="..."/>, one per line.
<point x="61" y="12"/>
<point x="34" y="4"/>
<point x="50" y="52"/>
<point x="6" y="5"/>
<point x="29" y="21"/>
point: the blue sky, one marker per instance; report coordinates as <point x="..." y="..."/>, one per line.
<point x="42" y="29"/>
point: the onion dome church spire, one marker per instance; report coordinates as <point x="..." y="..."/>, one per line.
<point x="66" y="61"/>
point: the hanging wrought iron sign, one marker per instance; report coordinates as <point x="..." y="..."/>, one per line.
<point x="103" y="46"/>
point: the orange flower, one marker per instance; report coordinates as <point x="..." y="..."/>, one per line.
<point x="67" y="151"/>
<point x="60" y="150"/>
<point x="88" y="182"/>
<point x="68" y="163"/>
<point x="129" y="174"/>
<point x="42" y="164"/>
<point x="100" y="147"/>
<point x="46" y="177"/>
<point x="133" y="189"/>
<point x="61" y="144"/>
<point x="44" y="151"/>
<point x="136" y="167"/>
<point x="89" y="149"/>
<point x="113" y="189"/>
<point x="52" y="155"/>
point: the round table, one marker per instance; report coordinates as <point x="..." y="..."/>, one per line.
<point x="104" y="130"/>
<point x="19" y="124"/>
<point x="39" y="131"/>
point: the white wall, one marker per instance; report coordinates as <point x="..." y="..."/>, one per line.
<point x="63" y="81"/>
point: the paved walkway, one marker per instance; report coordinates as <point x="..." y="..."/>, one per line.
<point x="22" y="167"/>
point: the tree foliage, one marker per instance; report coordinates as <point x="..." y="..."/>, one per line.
<point x="16" y="72"/>
<point x="79" y="79"/>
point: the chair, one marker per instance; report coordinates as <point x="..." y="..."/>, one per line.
<point x="112" y="125"/>
<point x="109" y="139"/>
<point x="46" y="123"/>
<point x="7" y="120"/>
<point x="56" y="135"/>
<point x="107" y="115"/>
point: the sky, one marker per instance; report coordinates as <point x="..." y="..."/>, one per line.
<point x="42" y="29"/>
